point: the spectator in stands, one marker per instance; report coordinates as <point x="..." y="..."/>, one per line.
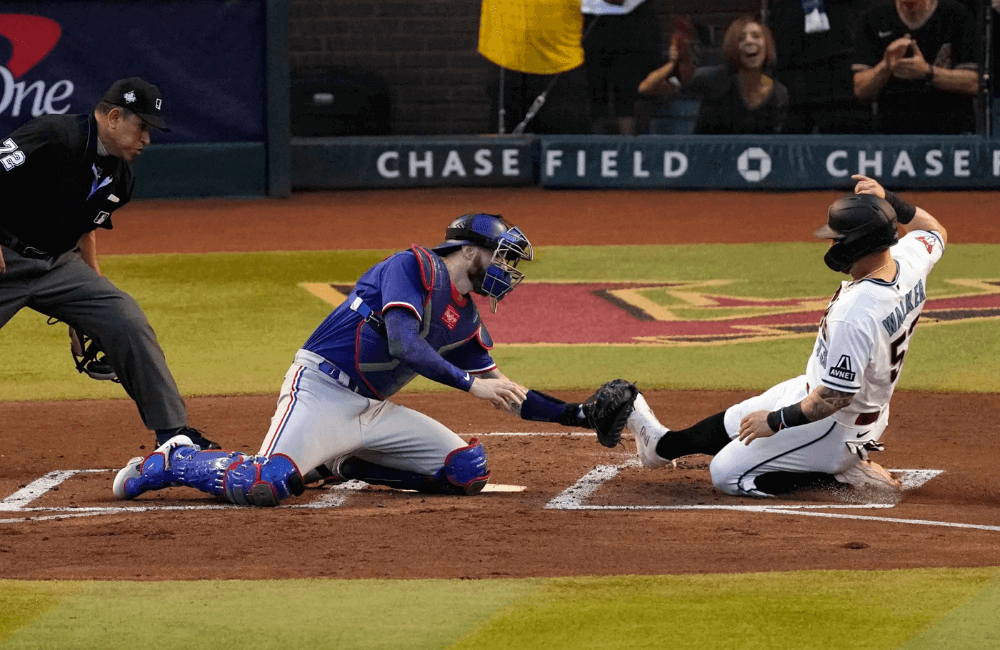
<point x="815" y="43"/>
<point x="621" y="42"/>
<point x="736" y="97"/>
<point x="919" y="60"/>
<point x="533" y="44"/>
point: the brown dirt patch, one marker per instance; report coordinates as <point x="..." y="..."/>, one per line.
<point x="382" y="533"/>
<point x="379" y="533"/>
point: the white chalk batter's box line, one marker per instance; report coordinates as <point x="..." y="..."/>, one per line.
<point x="573" y="498"/>
<point x="576" y="496"/>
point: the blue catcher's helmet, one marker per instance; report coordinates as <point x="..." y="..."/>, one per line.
<point x="505" y="241"/>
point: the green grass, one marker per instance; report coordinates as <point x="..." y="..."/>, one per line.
<point x="230" y="323"/>
<point x="913" y="609"/>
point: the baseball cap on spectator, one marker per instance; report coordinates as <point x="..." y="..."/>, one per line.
<point x="140" y="97"/>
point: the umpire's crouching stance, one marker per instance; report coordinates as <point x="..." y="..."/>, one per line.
<point x="61" y="178"/>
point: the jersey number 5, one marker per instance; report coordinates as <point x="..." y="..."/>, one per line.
<point x="896" y="355"/>
<point x="12" y="157"/>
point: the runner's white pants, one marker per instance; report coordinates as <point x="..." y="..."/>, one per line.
<point x="826" y="445"/>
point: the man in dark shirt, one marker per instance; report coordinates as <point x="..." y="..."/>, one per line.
<point x="919" y="59"/>
<point x="62" y="176"/>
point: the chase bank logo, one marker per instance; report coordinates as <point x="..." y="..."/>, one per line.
<point x="754" y="165"/>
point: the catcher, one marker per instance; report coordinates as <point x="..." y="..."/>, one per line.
<point x="409" y="314"/>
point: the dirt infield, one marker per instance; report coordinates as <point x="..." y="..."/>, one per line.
<point x="585" y="510"/>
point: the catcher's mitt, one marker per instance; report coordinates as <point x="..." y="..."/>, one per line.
<point x="608" y="409"/>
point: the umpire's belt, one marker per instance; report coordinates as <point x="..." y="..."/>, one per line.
<point x="10" y="241"/>
<point x="356" y="304"/>
<point x="339" y="376"/>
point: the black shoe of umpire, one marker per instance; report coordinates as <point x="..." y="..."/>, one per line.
<point x="204" y="443"/>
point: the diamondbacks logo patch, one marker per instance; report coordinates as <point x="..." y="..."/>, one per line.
<point x="843" y="369"/>
<point x="683" y="313"/>
<point x="450" y="317"/>
<point x="928" y="243"/>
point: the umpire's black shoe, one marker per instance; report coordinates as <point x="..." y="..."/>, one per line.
<point x="164" y="435"/>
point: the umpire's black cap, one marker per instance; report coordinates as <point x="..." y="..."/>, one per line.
<point x="140" y="97"/>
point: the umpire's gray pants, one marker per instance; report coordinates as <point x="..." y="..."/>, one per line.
<point x="67" y="289"/>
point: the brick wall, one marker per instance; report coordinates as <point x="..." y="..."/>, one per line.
<point x="427" y="52"/>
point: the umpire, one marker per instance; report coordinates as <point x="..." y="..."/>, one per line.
<point x="62" y="177"/>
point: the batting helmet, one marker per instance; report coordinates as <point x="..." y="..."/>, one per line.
<point x="505" y="241"/>
<point x="859" y="224"/>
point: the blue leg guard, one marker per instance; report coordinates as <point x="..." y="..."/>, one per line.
<point x="263" y="480"/>
<point x="176" y="464"/>
<point x="204" y="470"/>
<point x="466" y="469"/>
<point x="464" y="472"/>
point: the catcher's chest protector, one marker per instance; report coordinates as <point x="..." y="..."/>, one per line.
<point x="448" y="320"/>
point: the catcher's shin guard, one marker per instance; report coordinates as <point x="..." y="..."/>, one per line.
<point x="152" y="472"/>
<point x="176" y="462"/>
<point x="464" y="472"/>
<point x="262" y="480"/>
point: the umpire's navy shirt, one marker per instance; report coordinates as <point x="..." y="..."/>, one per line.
<point x="55" y="186"/>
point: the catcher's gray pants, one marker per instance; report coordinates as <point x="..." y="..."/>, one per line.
<point x="67" y="289"/>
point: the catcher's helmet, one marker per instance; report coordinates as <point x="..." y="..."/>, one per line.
<point x="859" y="224"/>
<point x="505" y="241"/>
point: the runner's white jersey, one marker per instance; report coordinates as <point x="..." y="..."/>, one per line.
<point x="866" y="330"/>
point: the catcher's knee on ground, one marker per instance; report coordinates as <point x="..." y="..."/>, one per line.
<point x="465" y="471"/>
<point x="263" y="481"/>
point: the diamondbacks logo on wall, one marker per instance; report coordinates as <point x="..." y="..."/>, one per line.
<point x="843" y="369"/>
<point x="31" y="38"/>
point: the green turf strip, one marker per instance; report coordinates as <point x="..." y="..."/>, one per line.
<point x="230" y="323"/>
<point x="915" y="609"/>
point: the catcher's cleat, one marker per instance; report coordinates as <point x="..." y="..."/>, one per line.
<point x="145" y="473"/>
<point x="193" y="434"/>
<point x="648" y="431"/>
<point x="869" y="475"/>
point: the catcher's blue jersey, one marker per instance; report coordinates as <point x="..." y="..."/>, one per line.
<point x="416" y="280"/>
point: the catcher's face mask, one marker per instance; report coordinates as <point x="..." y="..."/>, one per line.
<point x="502" y="274"/>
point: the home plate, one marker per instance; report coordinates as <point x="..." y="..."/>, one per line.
<point x="490" y="487"/>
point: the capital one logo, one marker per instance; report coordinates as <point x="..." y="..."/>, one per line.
<point x="31" y="39"/>
<point x="754" y="164"/>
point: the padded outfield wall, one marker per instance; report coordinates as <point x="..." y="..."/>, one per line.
<point x="693" y="162"/>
